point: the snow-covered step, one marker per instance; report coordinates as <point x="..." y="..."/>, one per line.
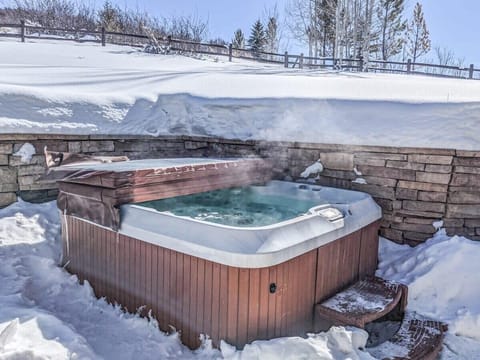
<point x="418" y="338"/>
<point x="365" y="301"/>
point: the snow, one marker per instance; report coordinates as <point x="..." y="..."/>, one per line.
<point x="314" y="169"/>
<point x="26" y="152"/>
<point x="338" y="343"/>
<point x="352" y="301"/>
<point x="442" y="277"/>
<point x="46" y="313"/>
<point x="85" y="88"/>
<point x="359" y="181"/>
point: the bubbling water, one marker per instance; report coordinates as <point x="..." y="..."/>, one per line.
<point x="240" y="207"/>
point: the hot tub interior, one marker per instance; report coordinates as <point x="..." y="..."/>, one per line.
<point x="241" y="207"/>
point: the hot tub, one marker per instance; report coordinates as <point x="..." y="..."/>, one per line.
<point x="242" y="263"/>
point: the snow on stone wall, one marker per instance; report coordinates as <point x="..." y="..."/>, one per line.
<point x="414" y="186"/>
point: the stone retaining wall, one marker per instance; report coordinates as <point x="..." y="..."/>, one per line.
<point x="414" y="186"/>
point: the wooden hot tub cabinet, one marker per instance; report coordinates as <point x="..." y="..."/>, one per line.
<point x="198" y="296"/>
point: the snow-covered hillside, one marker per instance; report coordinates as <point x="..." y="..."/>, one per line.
<point x="83" y="88"/>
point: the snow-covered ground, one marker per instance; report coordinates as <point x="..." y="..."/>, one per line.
<point x="61" y="87"/>
<point x="46" y="314"/>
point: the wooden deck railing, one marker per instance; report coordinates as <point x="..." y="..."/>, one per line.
<point x="298" y="61"/>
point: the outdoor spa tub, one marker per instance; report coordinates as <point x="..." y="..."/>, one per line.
<point x="214" y="247"/>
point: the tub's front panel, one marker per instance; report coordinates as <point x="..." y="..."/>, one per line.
<point x="346" y="260"/>
<point x="194" y="295"/>
<point x="198" y="296"/>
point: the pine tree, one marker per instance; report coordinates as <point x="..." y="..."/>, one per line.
<point x="392" y="27"/>
<point x="418" y="39"/>
<point x="109" y="17"/>
<point x="257" y="38"/>
<point x="271" y="35"/>
<point x="325" y="13"/>
<point x="238" y="41"/>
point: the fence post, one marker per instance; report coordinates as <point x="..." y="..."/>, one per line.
<point x="300" y="61"/>
<point x="409" y="66"/>
<point x="360" y="63"/>
<point x="470" y="71"/>
<point x="103" y="36"/>
<point x="230" y="52"/>
<point x="286" y="59"/>
<point x="22" y="31"/>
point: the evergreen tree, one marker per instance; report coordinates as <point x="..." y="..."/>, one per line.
<point x="418" y="39"/>
<point x="325" y="15"/>
<point x="238" y="41"/>
<point x="271" y="35"/>
<point x="257" y="37"/>
<point x="392" y="27"/>
<point x="110" y="17"/>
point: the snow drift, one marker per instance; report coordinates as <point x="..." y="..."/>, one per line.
<point x="442" y="277"/>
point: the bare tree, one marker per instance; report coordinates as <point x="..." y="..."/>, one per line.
<point x="300" y="21"/>
<point x="447" y="57"/>
<point x="273" y="31"/>
<point x="188" y="27"/>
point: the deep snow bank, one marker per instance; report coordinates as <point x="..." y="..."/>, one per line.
<point x="84" y="88"/>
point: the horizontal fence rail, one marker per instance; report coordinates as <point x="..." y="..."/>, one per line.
<point x="294" y="61"/>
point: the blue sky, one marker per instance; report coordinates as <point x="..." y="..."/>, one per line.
<point x="452" y="24"/>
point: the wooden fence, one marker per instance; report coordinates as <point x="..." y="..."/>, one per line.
<point x="287" y="60"/>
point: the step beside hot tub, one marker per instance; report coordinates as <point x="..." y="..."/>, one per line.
<point x="212" y="246"/>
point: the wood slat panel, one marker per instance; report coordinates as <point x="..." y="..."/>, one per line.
<point x="232" y="304"/>
<point x="253" y="304"/>
<point x="223" y="301"/>
<point x="200" y="299"/>
<point x="208" y="281"/>
<point x="272" y="278"/>
<point x="264" y="303"/>
<point x="193" y="294"/>
<point x="166" y="294"/>
<point x="215" y="330"/>
<point x="177" y="288"/>
<point x="115" y="251"/>
<point x="134" y="270"/>
<point x="337" y="266"/>
<point x="280" y="311"/>
<point x="98" y="246"/>
<point x="198" y="296"/>
<point x="161" y="304"/>
<point x="369" y="250"/>
<point x="122" y="271"/>
<point x="243" y="305"/>
<point x="187" y="331"/>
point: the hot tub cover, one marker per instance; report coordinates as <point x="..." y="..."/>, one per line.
<point x="94" y="190"/>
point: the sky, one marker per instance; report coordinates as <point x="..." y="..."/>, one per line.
<point x="452" y="24"/>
